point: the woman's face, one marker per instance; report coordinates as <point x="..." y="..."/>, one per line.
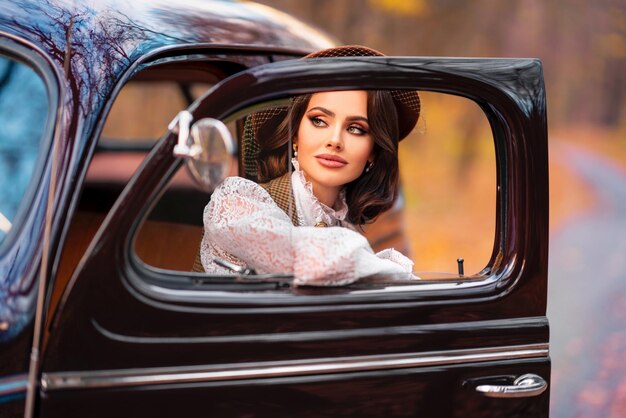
<point x="334" y="143"/>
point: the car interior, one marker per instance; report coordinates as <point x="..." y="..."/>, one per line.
<point x="152" y="97"/>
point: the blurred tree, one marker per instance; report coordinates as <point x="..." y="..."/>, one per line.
<point x="582" y="43"/>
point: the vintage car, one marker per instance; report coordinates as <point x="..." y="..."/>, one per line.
<point x="100" y="314"/>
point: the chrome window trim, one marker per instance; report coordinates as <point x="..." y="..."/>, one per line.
<point x="56" y="381"/>
<point x="267" y="301"/>
<point x="175" y="295"/>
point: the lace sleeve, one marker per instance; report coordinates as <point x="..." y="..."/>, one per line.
<point x="243" y="220"/>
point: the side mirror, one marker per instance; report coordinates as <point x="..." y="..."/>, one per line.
<point x="208" y="147"/>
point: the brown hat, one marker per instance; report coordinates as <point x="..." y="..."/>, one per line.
<point x="407" y="102"/>
<point x="265" y="122"/>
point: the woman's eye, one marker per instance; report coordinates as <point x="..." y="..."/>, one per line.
<point x="356" y="130"/>
<point x="316" y="121"/>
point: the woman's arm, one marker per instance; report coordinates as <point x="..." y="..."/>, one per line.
<point x="243" y="220"/>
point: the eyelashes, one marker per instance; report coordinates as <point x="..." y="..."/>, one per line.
<point x="317" y="121"/>
<point x="357" y="130"/>
<point x="352" y="129"/>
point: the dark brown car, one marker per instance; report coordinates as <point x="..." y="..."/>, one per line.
<point x="119" y="326"/>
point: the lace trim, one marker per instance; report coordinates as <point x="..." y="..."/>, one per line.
<point x="310" y="210"/>
<point x="243" y="225"/>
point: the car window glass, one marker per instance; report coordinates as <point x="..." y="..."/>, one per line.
<point x="176" y="219"/>
<point x="445" y="209"/>
<point x="448" y="171"/>
<point x="151" y="105"/>
<point x="23" y="115"/>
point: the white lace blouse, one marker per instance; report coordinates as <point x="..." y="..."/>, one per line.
<point x="243" y="225"/>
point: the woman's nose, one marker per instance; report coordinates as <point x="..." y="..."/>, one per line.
<point x="335" y="141"/>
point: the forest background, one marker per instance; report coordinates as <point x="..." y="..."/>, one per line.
<point x="582" y="45"/>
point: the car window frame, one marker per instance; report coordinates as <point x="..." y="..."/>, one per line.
<point x="23" y="248"/>
<point x="28" y="55"/>
<point x="154" y="282"/>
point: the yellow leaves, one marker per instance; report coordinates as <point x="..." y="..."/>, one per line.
<point x="613" y="45"/>
<point x="402" y="7"/>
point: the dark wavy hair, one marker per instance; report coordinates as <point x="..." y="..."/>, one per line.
<point x="370" y="194"/>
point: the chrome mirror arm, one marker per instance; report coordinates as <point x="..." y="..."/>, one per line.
<point x="181" y="125"/>
<point x="207" y="146"/>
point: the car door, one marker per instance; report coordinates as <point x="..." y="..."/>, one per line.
<point x="129" y="339"/>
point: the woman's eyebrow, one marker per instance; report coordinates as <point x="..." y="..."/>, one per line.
<point x="323" y="110"/>
<point x="357" y="118"/>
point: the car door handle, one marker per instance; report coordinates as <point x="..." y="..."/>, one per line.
<point x="526" y="385"/>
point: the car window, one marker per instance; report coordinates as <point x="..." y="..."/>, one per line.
<point x="445" y="209"/>
<point x="448" y="171"/>
<point x="23" y="116"/>
<point x="153" y="96"/>
<point x="151" y="105"/>
<point x="138" y="117"/>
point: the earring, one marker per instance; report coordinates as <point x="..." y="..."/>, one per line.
<point x="369" y="166"/>
<point x="295" y="149"/>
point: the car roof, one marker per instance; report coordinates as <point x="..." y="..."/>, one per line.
<point x="48" y="23"/>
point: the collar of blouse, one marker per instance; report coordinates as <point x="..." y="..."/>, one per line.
<point x="312" y="212"/>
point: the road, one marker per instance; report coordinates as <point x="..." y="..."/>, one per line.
<point x="587" y="296"/>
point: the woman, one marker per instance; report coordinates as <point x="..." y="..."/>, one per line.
<point x="345" y="174"/>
